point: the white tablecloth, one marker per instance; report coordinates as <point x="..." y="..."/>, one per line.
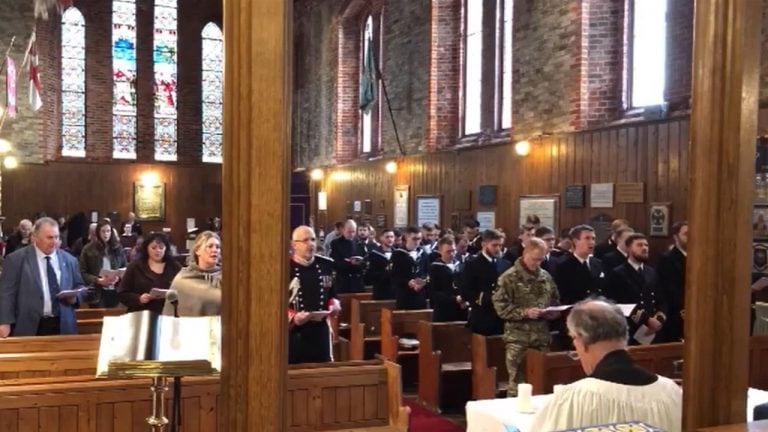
<point x="492" y="415"/>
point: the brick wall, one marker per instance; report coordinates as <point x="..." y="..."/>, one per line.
<point x="445" y="73"/>
<point x="680" y="53"/>
<point x="38" y="134"/>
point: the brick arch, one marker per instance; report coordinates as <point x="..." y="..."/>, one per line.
<point x="351" y="17"/>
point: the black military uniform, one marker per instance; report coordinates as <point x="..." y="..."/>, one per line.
<point x="551" y="260"/>
<point x="349" y="277"/>
<point x="613" y="259"/>
<point x="630" y="286"/>
<point x="366" y="247"/>
<point x="478" y="283"/>
<point x="605" y="248"/>
<point x="514" y="252"/>
<point x="442" y="292"/>
<point x="310" y="342"/>
<point x="379" y="274"/>
<point x="671" y="270"/>
<point x="576" y="280"/>
<point x="475" y="245"/>
<point x="407" y="265"/>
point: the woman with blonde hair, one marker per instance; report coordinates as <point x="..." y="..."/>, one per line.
<point x="199" y="284"/>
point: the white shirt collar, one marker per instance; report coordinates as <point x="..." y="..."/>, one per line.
<point x="635" y="265"/>
<point x="583" y="260"/>
<point x="489" y="258"/>
<point x="622" y="252"/>
<point x="41" y="256"/>
<point x="685" y="254"/>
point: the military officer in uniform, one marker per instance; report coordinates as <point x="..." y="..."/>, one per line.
<point x="446" y="302"/>
<point x="311" y="298"/>
<point x="409" y="272"/>
<point x="525" y="291"/>
<point x="347" y="260"/>
<point x="379" y="273"/>
<point x="478" y="283"/>
<point x="635" y="282"/>
<point x="474" y="239"/>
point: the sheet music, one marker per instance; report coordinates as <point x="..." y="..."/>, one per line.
<point x="190" y="338"/>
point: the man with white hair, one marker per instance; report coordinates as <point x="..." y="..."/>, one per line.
<point x="20" y="237"/>
<point x="615" y="389"/>
<point x="311" y="298"/>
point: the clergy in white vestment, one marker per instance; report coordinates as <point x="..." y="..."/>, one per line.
<point x="615" y="389"/>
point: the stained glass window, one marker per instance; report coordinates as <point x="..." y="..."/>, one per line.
<point x="165" y="80"/>
<point x="72" y="83"/>
<point x="213" y="77"/>
<point x="124" y="79"/>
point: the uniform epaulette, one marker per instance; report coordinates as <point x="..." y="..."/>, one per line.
<point x="323" y="257"/>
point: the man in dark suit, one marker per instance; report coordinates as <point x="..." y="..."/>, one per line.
<point x="366" y="240"/>
<point x="479" y="282"/>
<point x="379" y="272"/>
<point x="39" y="287"/>
<point x="515" y="250"/>
<point x="618" y="256"/>
<point x="635" y="282"/>
<point x="553" y="255"/>
<point x="20" y="237"/>
<point x="132" y="227"/>
<point x="580" y="275"/>
<point x="347" y="260"/>
<point x="672" y="282"/>
<point x="610" y="244"/>
<point x="409" y="272"/>
<point x="471" y="233"/>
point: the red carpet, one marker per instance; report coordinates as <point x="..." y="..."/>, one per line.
<point x="423" y="420"/>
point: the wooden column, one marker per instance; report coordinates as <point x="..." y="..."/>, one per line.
<point x="726" y="60"/>
<point x="256" y="169"/>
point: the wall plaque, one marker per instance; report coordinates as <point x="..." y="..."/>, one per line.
<point x="543" y="206"/>
<point x="602" y="225"/>
<point x="401" y="206"/>
<point x="630" y="193"/>
<point x="487" y="195"/>
<point x="149" y="201"/>
<point x="601" y="195"/>
<point x="427" y="209"/>
<point x="381" y="220"/>
<point x="574" y="196"/>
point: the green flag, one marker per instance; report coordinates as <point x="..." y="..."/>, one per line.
<point x="368" y="79"/>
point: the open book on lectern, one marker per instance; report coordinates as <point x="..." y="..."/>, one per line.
<point x="143" y="336"/>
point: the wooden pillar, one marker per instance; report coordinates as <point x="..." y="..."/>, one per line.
<point x="726" y="58"/>
<point x="256" y="169"/>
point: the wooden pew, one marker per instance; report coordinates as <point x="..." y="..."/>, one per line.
<point x="341" y="324"/>
<point x="758" y="359"/>
<point x="89" y="321"/>
<point x="47" y="364"/>
<point x="30" y="344"/>
<point x="363" y="396"/>
<point x="365" y="322"/>
<point x="444" y="364"/>
<point x="489" y="367"/>
<point x="87" y="404"/>
<point x="395" y="323"/>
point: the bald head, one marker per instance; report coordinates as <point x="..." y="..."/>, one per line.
<point x="349" y="230"/>
<point x="303" y="242"/>
<point x="25" y="228"/>
<point x="597" y="320"/>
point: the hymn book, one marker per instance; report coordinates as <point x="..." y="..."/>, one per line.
<point x="145" y="336"/>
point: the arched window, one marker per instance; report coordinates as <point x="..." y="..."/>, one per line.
<point x="72" y="83"/>
<point x="213" y="77"/>
<point x="165" y="80"/>
<point x="124" y="79"/>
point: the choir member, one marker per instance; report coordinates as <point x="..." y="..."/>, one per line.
<point x="349" y="264"/>
<point x="479" y="282"/>
<point x="610" y="244"/>
<point x="672" y="281"/>
<point x="445" y="299"/>
<point x="580" y="275"/>
<point x="409" y="272"/>
<point x="379" y="273"/>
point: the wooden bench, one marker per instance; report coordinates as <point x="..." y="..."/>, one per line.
<point x="341" y="324"/>
<point x="87" y="404"/>
<point x="758" y="359"/>
<point x="365" y="322"/>
<point x="396" y="323"/>
<point x="89" y="321"/>
<point x="364" y="396"/>
<point x="489" y="367"/>
<point x="445" y="364"/>
<point x="30" y="344"/>
<point x="47" y="364"/>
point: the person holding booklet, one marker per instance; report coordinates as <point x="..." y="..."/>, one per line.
<point x="102" y="264"/>
<point x="148" y="278"/>
<point x="311" y="299"/>
<point x="199" y="284"/>
<point x="525" y="292"/>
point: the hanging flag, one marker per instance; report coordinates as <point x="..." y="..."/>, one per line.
<point x="10" y="87"/>
<point x="368" y="79"/>
<point x="34" y="75"/>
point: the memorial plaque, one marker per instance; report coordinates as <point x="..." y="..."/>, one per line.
<point x="381" y="220"/>
<point x="630" y="193"/>
<point x="574" y="196"/>
<point x="602" y="225"/>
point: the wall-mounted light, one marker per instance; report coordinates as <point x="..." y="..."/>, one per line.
<point x="391" y="167"/>
<point x="149" y="178"/>
<point x="5" y="145"/>
<point x="523" y="148"/>
<point x="316" y="174"/>
<point x="10" y="162"/>
<point x="322" y="201"/>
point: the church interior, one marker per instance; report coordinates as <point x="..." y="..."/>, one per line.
<point x="485" y="215"/>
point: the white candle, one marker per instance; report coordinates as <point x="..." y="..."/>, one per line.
<point x="524" y="392"/>
<point x="557" y="388"/>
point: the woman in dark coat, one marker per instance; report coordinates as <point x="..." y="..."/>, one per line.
<point x="153" y="268"/>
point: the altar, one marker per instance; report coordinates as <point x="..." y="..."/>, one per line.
<point x="501" y="415"/>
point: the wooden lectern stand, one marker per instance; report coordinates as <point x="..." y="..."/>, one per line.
<point x="159" y="371"/>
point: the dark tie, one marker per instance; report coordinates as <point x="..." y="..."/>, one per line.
<point x="586" y="266"/>
<point x="53" y="286"/>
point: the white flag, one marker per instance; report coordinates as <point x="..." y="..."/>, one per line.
<point x="34" y="75"/>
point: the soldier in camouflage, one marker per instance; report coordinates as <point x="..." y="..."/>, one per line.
<point x="525" y="290"/>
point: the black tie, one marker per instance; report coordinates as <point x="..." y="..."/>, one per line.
<point x="586" y="266"/>
<point x="53" y="286"/>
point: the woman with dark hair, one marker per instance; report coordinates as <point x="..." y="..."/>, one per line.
<point x="154" y="267"/>
<point x="105" y="253"/>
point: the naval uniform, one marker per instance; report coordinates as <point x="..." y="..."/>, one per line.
<point x="311" y="290"/>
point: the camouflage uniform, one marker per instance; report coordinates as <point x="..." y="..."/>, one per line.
<point x="519" y="289"/>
